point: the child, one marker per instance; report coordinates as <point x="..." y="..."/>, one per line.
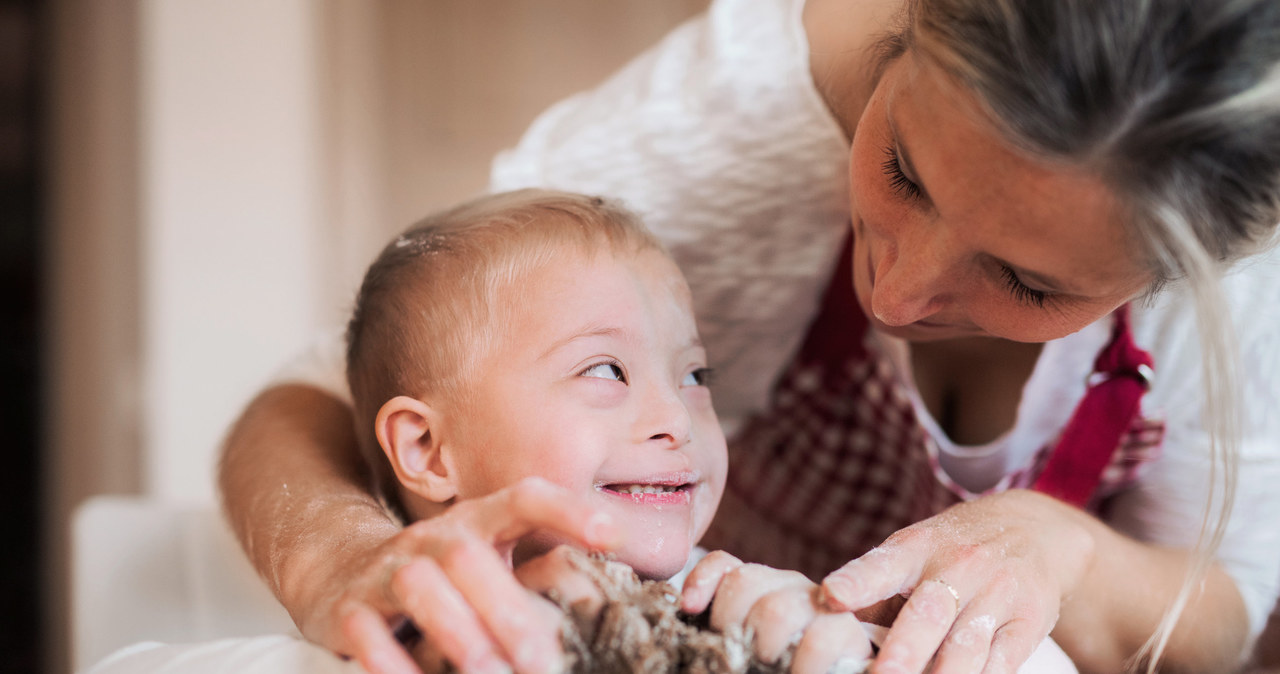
<point x="539" y="333"/>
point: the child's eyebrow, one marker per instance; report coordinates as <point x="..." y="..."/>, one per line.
<point x="594" y="330"/>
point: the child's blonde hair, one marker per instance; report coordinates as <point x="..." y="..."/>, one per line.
<point x="435" y="299"/>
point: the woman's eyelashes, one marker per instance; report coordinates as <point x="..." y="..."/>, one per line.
<point x="907" y="188"/>
<point x="607" y="370"/>
<point x="1020" y="290"/>
<point x="898" y="180"/>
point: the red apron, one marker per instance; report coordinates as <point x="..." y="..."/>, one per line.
<point x="838" y="460"/>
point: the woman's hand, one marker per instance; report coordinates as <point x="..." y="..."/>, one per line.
<point x="984" y="582"/>
<point x="782" y="608"/>
<point x="451" y="576"/>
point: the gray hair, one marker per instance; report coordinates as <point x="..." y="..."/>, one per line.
<point x="1174" y="103"/>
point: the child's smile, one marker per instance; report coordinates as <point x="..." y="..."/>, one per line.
<point x="601" y="389"/>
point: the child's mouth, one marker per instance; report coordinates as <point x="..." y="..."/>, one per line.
<point x="651" y="494"/>
<point x="646" y="488"/>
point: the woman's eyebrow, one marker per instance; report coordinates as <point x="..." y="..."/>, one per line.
<point x="900" y="149"/>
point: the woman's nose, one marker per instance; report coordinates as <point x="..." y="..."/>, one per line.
<point x="665" y="418"/>
<point x="909" y="285"/>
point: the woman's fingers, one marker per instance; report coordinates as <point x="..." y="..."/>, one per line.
<point x="370" y="642"/>
<point x="451" y="576"/>
<point x="1014" y="642"/>
<point x="922" y="624"/>
<point x="834" y="642"/>
<point x="702" y="582"/>
<point x="436" y="606"/>
<point x="881" y="573"/>
<point x="534" y="504"/>
<point x="968" y="647"/>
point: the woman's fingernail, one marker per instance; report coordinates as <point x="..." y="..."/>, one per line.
<point x="602" y="532"/>
<point x="837" y="592"/>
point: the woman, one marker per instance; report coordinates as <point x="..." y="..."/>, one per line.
<point x="1040" y="194"/>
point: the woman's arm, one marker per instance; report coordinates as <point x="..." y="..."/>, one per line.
<point x="1122" y="597"/>
<point x="1019" y="562"/>
<point x="294" y="489"/>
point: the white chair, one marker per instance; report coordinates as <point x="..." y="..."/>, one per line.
<point x="144" y="570"/>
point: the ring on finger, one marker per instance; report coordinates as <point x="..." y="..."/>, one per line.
<point x="954" y="594"/>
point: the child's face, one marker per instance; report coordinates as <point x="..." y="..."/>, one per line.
<point x="600" y="389"/>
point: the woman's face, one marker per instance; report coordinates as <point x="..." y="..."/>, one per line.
<point x="958" y="234"/>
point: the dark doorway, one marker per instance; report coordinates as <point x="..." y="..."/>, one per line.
<point x="21" y="40"/>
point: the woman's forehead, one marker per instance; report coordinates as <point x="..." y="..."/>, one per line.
<point x="1046" y="217"/>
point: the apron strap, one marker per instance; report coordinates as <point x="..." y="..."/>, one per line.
<point x="1121" y="374"/>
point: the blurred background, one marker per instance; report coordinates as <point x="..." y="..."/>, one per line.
<point x="191" y="190"/>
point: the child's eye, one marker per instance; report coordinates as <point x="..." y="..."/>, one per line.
<point x="699" y="377"/>
<point x="608" y="370"/>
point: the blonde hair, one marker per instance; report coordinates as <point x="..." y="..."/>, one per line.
<point x="1176" y="104"/>
<point x="434" y="300"/>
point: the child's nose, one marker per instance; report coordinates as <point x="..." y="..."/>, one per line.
<point x="667" y="420"/>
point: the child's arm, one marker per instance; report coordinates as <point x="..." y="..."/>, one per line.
<point x="292" y="488"/>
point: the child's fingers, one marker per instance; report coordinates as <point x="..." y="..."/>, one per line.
<point x="779" y="620"/>
<point x="701" y="583"/>
<point x="834" y="642"/>
<point x="742" y="588"/>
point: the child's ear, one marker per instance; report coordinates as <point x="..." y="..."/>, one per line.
<point x="408" y="431"/>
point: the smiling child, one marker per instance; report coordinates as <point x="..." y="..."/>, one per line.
<point x="537" y="333"/>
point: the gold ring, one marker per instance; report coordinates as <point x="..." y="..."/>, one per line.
<point x="954" y="595"/>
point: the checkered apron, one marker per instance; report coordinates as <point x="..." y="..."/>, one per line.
<point x="838" y="460"/>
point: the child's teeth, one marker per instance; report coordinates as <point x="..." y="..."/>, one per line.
<point x="646" y="489"/>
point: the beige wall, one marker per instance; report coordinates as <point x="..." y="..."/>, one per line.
<point x="222" y="172"/>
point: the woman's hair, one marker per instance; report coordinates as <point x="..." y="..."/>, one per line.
<point x="1176" y="105"/>
<point x="438" y="296"/>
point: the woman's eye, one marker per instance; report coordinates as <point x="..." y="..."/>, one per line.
<point x="1021" y="291"/>
<point x="699" y="377"/>
<point x="605" y="371"/>
<point x="898" y="180"/>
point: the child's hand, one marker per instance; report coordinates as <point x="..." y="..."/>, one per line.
<point x="450" y="576"/>
<point x="783" y="608"/>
